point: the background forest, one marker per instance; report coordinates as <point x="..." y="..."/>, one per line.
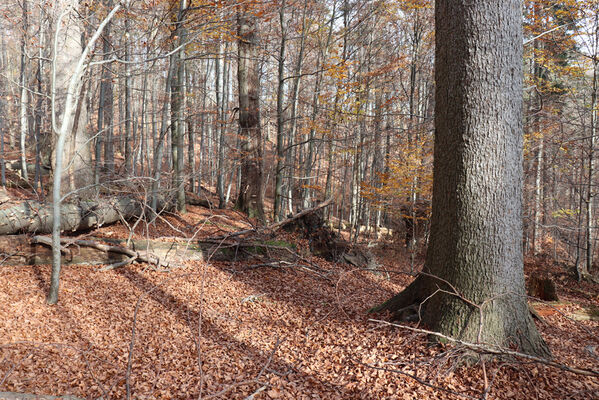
<point x="194" y="118"/>
<point x="345" y="97"/>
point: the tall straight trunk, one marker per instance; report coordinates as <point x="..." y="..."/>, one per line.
<point x="177" y="112"/>
<point x="536" y="233"/>
<point x="295" y="89"/>
<point x="191" y="138"/>
<point x="218" y="127"/>
<point x="322" y="58"/>
<point x="24" y="95"/>
<point x="160" y="138"/>
<point x="584" y="272"/>
<point x="536" y="128"/>
<point x="277" y="212"/>
<point x="328" y="192"/>
<point x="473" y="286"/>
<point x="250" y="198"/>
<point x="39" y="112"/>
<point x="129" y="140"/>
<point x="104" y="141"/>
<point x="203" y="135"/>
<point x="377" y="161"/>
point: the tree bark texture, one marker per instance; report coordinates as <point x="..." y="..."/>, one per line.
<point x="475" y="249"/>
<point x="35" y="217"/>
<point x="250" y="198"/>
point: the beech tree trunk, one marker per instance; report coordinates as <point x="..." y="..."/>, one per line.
<point x="476" y="233"/>
<point x="250" y="198"/>
<point x="178" y="110"/>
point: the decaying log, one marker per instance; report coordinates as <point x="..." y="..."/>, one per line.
<point x="195" y="200"/>
<point x="278" y="225"/>
<point x="323" y="241"/>
<point x="130" y="255"/>
<point x="22" y="250"/>
<point x="35" y="217"/>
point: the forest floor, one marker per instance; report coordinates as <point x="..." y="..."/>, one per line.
<point x="209" y="329"/>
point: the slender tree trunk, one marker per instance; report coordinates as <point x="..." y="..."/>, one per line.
<point x="3" y="112"/>
<point x="177" y="112"/>
<point x="293" y="118"/>
<point x="218" y="127"/>
<point x="72" y="65"/>
<point x="159" y="139"/>
<point x="584" y="273"/>
<point x="129" y="137"/>
<point x="24" y="94"/>
<point x="280" y="118"/>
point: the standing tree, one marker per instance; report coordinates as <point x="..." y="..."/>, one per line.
<point x="250" y="198"/>
<point x="70" y="144"/>
<point x="472" y="286"/>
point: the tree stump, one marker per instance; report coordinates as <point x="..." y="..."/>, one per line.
<point x="542" y="288"/>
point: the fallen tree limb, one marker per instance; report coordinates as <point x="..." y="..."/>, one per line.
<point x="278" y="225"/>
<point x="273" y="227"/>
<point x="132" y="255"/>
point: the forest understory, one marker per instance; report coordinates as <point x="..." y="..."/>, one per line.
<point x="259" y="329"/>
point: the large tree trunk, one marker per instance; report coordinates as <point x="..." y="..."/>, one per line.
<point x="476" y="233"/>
<point x="250" y="198"/>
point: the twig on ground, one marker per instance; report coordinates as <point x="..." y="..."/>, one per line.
<point x="495" y="350"/>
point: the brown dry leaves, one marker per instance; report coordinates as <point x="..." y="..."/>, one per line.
<point x="205" y="329"/>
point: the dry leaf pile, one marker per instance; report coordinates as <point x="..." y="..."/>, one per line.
<point x="221" y="330"/>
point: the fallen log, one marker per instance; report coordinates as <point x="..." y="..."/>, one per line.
<point x="194" y="200"/>
<point x="23" y="250"/>
<point x="131" y="255"/>
<point x="35" y="217"/>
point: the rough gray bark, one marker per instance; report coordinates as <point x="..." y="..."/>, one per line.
<point x="475" y="250"/>
<point x="250" y="199"/>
